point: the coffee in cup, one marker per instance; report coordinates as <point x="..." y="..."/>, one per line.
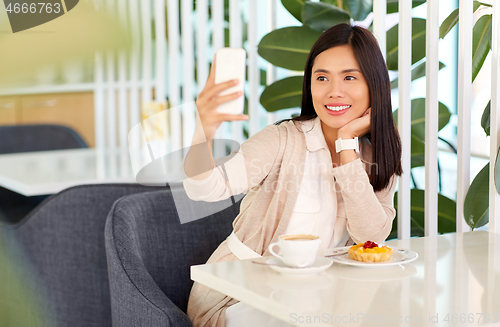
<point x="298" y="250"/>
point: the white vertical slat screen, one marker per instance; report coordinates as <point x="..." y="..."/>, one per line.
<point x="464" y="104"/>
<point x="174" y="93"/>
<point x="187" y="41"/>
<point x="494" y="211"/>
<point x="404" y="116"/>
<point x="379" y="16"/>
<point x="147" y="52"/>
<point x="235" y="41"/>
<point x="218" y="24"/>
<point x="122" y="82"/>
<point x="99" y="95"/>
<point x="431" y="118"/>
<point x="253" y="70"/>
<point x="110" y="94"/>
<point x="271" y="69"/>
<point x="110" y="101"/>
<point x="160" y="57"/>
<point x="201" y="43"/>
<point x="99" y="111"/>
<point x="218" y="42"/>
<point x="135" y="111"/>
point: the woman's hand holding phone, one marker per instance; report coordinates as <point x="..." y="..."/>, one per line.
<point x="208" y="101"/>
<point x="199" y="163"/>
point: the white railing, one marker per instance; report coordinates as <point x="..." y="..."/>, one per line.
<point x="166" y="66"/>
<point x="464" y="107"/>
<point x="494" y="208"/>
<point x="432" y="118"/>
<point x="404" y="116"/>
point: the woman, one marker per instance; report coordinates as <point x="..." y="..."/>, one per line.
<point x="296" y="178"/>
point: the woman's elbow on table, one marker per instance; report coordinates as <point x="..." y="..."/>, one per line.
<point x="376" y="233"/>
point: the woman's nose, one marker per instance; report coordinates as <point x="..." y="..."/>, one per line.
<point x="336" y="89"/>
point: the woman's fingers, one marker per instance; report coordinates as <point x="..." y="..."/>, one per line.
<point x="228" y="117"/>
<point x="210" y="104"/>
<point x="225" y="98"/>
<point x="214" y="90"/>
<point x="211" y="75"/>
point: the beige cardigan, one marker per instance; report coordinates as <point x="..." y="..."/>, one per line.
<point x="273" y="159"/>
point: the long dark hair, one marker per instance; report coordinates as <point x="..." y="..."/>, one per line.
<point x="384" y="137"/>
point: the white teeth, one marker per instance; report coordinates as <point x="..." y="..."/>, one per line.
<point x="338" y="108"/>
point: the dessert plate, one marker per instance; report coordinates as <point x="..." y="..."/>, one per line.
<point x="321" y="264"/>
<point x="400" y="257"/>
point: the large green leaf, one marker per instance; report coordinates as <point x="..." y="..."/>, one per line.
<point x="283" y="94"/>
<point x="288" y="47"/>
<point x="416" y="73"/>
<point x="418" y="117"/>
<point x="446" y="213"/>
<point x="359" y="9"/>
<point x="417" y="47"/>
<point x="481" y="43"/>
<point x="476" y="204"/>
<point x="321" y="16"/>
<point x="417" y="161"/>
<point x="452" y="20"/>
<point x="497" y="172"/>
<point x="294" y="7"/>
<point x="417" y="152"/>
<point x="485" y="119"/>
<point x="393" y="5"/>
<point x="418" y="129"/>
<point x="417" y="148"/>
<point x="448" y="23"/>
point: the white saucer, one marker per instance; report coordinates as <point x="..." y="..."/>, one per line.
<point x="400" y="257"/>
<point x="321" y="264"/>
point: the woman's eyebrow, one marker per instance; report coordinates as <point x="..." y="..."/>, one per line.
<point x="349" y="70"/>
<point x="321" y="70"/>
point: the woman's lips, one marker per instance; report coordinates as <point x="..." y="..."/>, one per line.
<point x="337" y="109"/>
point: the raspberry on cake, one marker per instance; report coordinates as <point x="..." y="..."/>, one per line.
<point x="370" y="252"/>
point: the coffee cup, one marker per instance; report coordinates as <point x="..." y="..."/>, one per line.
<point x="298" y="250"/>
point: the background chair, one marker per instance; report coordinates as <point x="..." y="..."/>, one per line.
<point x="60" y="250"/>
<point x="28" y="138"/>
<point x="150" y="253"/>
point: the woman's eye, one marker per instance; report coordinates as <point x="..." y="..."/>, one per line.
<point x="321" y="78"/>
<point x="350" y="78"/>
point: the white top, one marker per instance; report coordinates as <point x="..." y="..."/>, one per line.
<point x="315" y="211"/>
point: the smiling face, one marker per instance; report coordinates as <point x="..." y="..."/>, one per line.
<point x="339" y="90"/>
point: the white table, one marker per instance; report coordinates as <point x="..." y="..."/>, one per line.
<point x="49" y="172"/>
<point x="455" y="279"/>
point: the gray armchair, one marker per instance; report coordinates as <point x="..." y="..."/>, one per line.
<point x="29" y="138"/>
<point x="150" y="253"/>
<point x="59" y="248"/>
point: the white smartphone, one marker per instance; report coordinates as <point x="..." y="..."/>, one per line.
<point x="230" y="63"/>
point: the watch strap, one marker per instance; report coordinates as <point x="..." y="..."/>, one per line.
<point x="348" y="144"/>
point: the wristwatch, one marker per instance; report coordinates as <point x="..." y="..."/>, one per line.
<point x="349" y="144"/>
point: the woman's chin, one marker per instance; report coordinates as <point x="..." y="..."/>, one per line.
<point x="332" y="123"/>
